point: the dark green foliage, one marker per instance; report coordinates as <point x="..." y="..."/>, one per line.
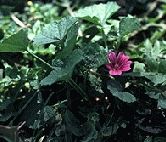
<point x="55" y="86"/>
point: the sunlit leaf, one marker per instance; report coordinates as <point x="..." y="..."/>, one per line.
<point x="128" y="25"/>
<point x="97" y="14"/>
<point x="15" y="43"/>
<point x="54" y="32"/>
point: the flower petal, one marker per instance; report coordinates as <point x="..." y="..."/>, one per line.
<point x="122" y="58"/>
<point x="109" y="66"/>
<point x="111" y="56"/>
<point x="118" y="63"/>
<point x="126" y="67"/>
<point x="115" y="72"/>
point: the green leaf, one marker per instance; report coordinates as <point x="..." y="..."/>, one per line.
<point x="128" y="25"/>
<point x="148" y="139"/>
<point x="4" y="104"/>
<point x="151" y="64"/>
<point x="153" y="95"/>
<point x="72" y="124"/>
<point x="90" y="132"/>
<point x="151" y="51"/>
<point x="69" y="43"/>
<point x="95" y="82"/>
<point x="35" y="84"/>
<point x="71" y="38"/>
<point x="156" y="78"/>
<point x="63" y="72"/>
<point x="1" y="73"/>
<point x="109" y="130"/>
<point x="162" y="66"/>
<point x="55" y="32"/>
<point x="159" y="139"/>
<point x="94" y="55"/>
<point x="97" y="14"/>
<point x="162" y="102"/>
<point x="57" y="74"/>
<point x="48" y="113"/>
<point x="15" y="43"/>
<point x="117" y="91"/>
<point x="5" y="117"/>
<point x="139" y="67"/>
<point x="9" y="134"/>
<point x="125" y="97"/>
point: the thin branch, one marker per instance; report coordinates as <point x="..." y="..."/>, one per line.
<point x="40" y="59"/>
<point x="22" y="109"/>
<point x="78" y="89"/>
<point x="18" y="22"/>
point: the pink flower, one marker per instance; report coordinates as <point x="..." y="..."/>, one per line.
<point x="118" y="63"/>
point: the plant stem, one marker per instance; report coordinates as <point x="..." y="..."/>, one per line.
<point x="78" y="89"/>
<point x="104" y="38"/>
<point x="49" y="97"/>
<point x="22" y="109"/>
<point x="59" y="103"/>
<point x="119" y="40"/>
<point x="41" y="60"/>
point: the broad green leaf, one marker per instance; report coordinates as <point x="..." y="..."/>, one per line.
<point x="151" y="51"/>
<point x="156" y="78"/>
<point x="159" y="139"/>
<point x="71" y="38"/>
<point x="139" y="67"/>
<point x="15" y="43"/>
<point x="48" y="113"/>
<point x="97" y="14"/>
<point x="114" y="86"/>
<point x="148" y="46"/>
<point x="64" y="71"/>
<point x="72" y="124"/>
<point x="162" y="102"/>
<point x="153" y="95"/>
<point x="128" y="25"/>
<point x="9" y="134"/>
<point x="162" y="66"/>
<point x="55" y="32"/>
<point x="153" y="54"/>
<point x="117" y="91"/>
<point x="125" y="96"/>
<point x="151" y="64"/>
<point x="58" y="74"/>
<point x="69" y="43"/>
<point x="90" y="132"/>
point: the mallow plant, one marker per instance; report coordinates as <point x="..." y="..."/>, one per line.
<point x="75" y="82"/>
